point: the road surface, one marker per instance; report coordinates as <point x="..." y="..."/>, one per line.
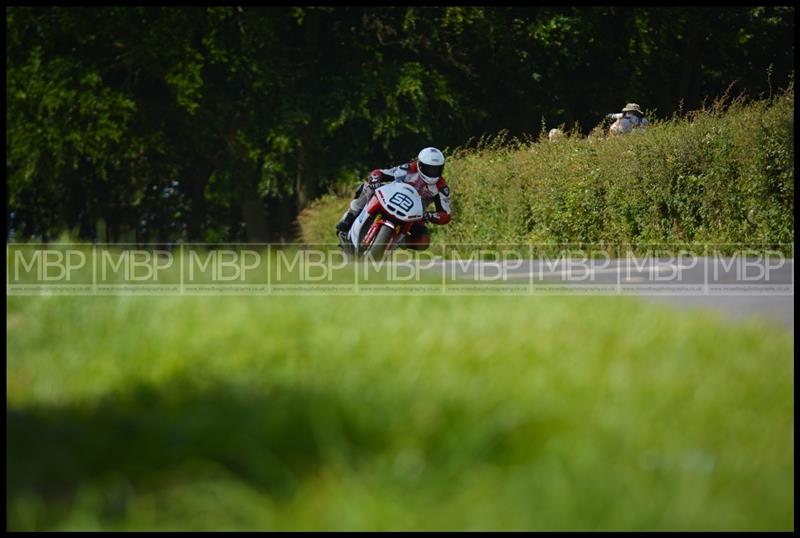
<point x="739" y="288"/>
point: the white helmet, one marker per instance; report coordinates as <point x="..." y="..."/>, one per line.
<point x="430" y="162"/>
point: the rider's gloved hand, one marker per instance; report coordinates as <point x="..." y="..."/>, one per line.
<point x="374" y="180"/>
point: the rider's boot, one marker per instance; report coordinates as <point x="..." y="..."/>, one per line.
<point x="346" y="223"/>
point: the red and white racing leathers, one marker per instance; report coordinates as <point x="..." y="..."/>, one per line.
<point x="408" y="173"/>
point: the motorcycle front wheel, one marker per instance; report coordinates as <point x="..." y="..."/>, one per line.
<point x="378" y="247"/>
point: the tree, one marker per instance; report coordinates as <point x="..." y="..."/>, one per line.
<point x="221" y="123"/>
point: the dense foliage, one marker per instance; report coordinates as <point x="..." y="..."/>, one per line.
<point x="222" y="123"/>
<point x="720" y="175"/>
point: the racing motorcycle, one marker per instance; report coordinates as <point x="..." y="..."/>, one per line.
<point x="385" y="221"/>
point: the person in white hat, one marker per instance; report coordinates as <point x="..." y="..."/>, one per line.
<point x="631" y="118"/>
<point x="555" y="134"/>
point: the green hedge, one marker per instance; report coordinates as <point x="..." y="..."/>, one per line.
<point x="724" y="174"/>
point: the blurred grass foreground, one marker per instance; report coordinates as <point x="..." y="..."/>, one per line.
<point x="390" y="413"/>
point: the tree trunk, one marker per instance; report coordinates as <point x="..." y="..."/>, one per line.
<point x="309" y="151"/>
<point x="253" y="211"/>
<point x="308" y="167"/>
<point x="689" y="65"/>
<point x="201" y="173"/>
<point x="113" y="225"/>
<point x="287" y="215"/>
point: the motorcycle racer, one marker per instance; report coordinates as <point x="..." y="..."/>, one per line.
<point x="425" y="175"/>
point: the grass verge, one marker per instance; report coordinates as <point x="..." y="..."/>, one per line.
<point x="474" y="413"/>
